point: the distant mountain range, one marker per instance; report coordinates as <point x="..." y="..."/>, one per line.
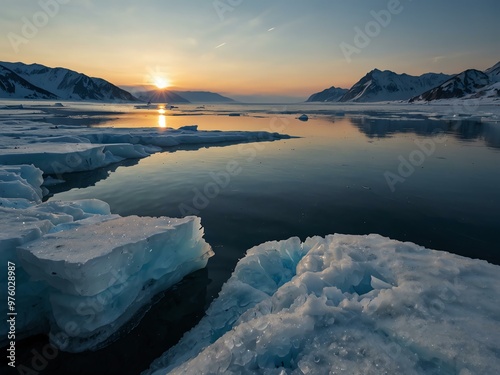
<point x="160" y="96"/>
<point x="181" y="97"/>
<point x="204" y="97"/>
<point x="35" y="81"/>
<point x="379" y="86"/>
<point x="333" y="94"/>
<point x="21" y="81"/>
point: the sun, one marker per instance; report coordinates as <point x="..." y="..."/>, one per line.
<point x="161" y="82"/>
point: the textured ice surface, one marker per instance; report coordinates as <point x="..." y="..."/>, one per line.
<point x="101" y="273"/>
<point x="347" y="305"/>
<point x="83" y="273"/>
<point x="57" y="158"/>
<point x="64" y="149"/>
<point x="20" y="182"/>
<point x="23" y="221"/>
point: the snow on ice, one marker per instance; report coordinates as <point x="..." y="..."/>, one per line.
<point x="347" y="305"/>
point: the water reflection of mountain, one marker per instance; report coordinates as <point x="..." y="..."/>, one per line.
<point x="462" y="130"/>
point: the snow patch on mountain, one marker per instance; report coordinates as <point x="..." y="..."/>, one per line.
<point x="14" y="86"/>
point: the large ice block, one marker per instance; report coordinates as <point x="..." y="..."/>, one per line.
<point x="102" y="274"/>
<point x="23" y="221"/>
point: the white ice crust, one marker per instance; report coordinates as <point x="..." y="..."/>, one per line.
<point x="347" y="305"/>
<point x="82" y="274"/>
<point x="65" y="149"/>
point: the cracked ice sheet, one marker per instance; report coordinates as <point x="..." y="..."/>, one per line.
<point x="347" y="305"/>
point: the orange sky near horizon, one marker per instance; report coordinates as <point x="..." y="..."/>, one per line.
<point x="248" y="48"/>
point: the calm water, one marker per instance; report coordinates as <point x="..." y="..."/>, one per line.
<point x="330" y="180"/>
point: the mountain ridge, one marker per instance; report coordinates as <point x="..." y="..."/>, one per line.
<point x="332" y="94"/>
<point x="381" y="86"/>
<point x="377" y="86"/>
<point x="10" y="82"/>
<point x="469" y="84"/>
<point x="60" y="83"/>
<point x="182" y="97"/>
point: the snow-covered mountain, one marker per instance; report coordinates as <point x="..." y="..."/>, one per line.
<point x="379" y="86"/>
<point x="494" y="72"/>
<point x="14" y="86"/>
<point x="333" y="94"/>
<point x="58" y="83"/>
<point x="469" y="84"/>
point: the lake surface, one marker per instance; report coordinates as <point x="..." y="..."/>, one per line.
<point x="432" y="182"/>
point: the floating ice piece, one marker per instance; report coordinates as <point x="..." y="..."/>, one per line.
<point x="23" y="221"/>
<point x="79" y="266"/>
<point x="68" y="149"/>
<point x="57" y="158"/>
<point x="101" y="273"/>
<point x="347" y="304"/>
<point x="303" y="118"/>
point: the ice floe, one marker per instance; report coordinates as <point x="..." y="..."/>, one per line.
<point x="347" y="305"/>
<point x="64" y="149"/>
<point x="82" y="274"/>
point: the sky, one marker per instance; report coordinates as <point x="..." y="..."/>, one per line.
<point x="251" y="48"/>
